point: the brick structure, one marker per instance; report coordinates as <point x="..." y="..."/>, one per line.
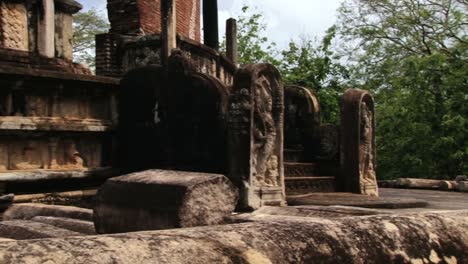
<point x="142" y="17"/>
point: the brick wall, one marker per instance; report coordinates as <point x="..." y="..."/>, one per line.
<point x="143" y="17"/>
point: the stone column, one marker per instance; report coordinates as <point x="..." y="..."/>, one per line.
<point x="53" y="144"/>
<point x="3" y="156"/>
<point x="168" y="29"/>
<point x="210" y="23"/>
<point x="46" y="29"/>
<point x="231" y="40"/>
<point x="255" y="137"/>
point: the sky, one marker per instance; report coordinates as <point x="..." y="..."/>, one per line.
<point x="285" y="19"/>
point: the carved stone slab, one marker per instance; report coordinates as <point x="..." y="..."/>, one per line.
<point x="13" y="26"/>
<point x="255" y="137"/>
<point x="358" y="143"/>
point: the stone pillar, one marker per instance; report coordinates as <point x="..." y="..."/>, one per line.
<point x="255" y="137"/>
<point x="168" y="31"/>
<point x="210" y="23"/>
<point x="358" y="174"/>
<point x="231" y="40"/>
<point x="64" y="11"/>
<point x="3" y="156"/>
<point x="53" y="145"/>
<point x="46" y="29"/>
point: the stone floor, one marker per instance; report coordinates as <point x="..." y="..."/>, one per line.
<point x="437" y="200"/>
<point x="396" y="200"/>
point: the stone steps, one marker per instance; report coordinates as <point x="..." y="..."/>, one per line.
<point x="296" y="169"/>
<point x="307" y="177"/>
<point x="305" y="185"/>
<point x="293" y="155"/>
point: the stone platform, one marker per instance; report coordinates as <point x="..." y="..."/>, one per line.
<point x="401" y="199"/>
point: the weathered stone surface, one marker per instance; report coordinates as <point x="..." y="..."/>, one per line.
<point x="358" y="200"/>
<point x="6" y="201"/>
<point x="460" y="178"/>
<point x="80" y="226"/>
<point x="448" y="185"/>
<point x="23" y="229"/>
<point x="255" y="136"/>
<point x="285" y="212"/>
<point x="418" y="238"/>
<point x="27" y="211"/>
<point x="418" y="183"/>
<point x="358" y="151"/>
<point x="46" y="29"/>
<point x="64" y="36"/>
<point x="437" y="200"/>
<point x="463" y="186"/>
<point x="158" y="199"/>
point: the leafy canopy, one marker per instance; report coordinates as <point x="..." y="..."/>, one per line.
<point x="86" y="25"/>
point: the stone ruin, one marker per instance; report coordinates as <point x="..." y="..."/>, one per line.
<point x="196" y="137"/>
<point x="180" y="105"/>
<point x="56" y="119"/>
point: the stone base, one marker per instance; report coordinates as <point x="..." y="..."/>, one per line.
<point x="270" y="196"/>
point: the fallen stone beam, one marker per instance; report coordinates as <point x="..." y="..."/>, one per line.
<point x="411" y="183"/>
<point x="448" y="185"/>
<point x="27" y="211"/>
<point x="76" y="225"/>
<point x="163" y="199"/>
<point x="440" y="237"/>
<point x="25" y="230"/>
<point x="80" y="194"/>
<point x="43" y="175"/>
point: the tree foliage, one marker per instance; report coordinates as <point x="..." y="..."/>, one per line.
<point x="315" y="65"/>
<point x="86" y="25"/>
<point x="309" y="63"/>
<point x="254" y="46"/>
<point x="413" y="55"/>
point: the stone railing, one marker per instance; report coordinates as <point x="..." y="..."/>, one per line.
<point x="117" y="54"/>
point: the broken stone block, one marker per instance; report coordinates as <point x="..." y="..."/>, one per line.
<point x="80" y="226"/>
<point x="159" y="199"/>
<point x="23" y="229"/>
<point x="27" y="211"/>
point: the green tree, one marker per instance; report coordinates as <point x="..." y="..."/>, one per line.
<point x="86" y="25"/>
<point x="253" y="45"/>
<point x="308" y="63"/>
<point x="315" y="65"/>
<point x="413" y="55"/>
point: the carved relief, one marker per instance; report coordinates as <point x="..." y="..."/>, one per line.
<point x="256" y="136"/>
<point x="27" y="157"/>
<point x="366" y="155"/>
<point x="72" y="157"/>
<point x="358" y="143"/>
<point x="50" y="153"/>
<point x="13" y="26"/>
<point x="264" y="130"/>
